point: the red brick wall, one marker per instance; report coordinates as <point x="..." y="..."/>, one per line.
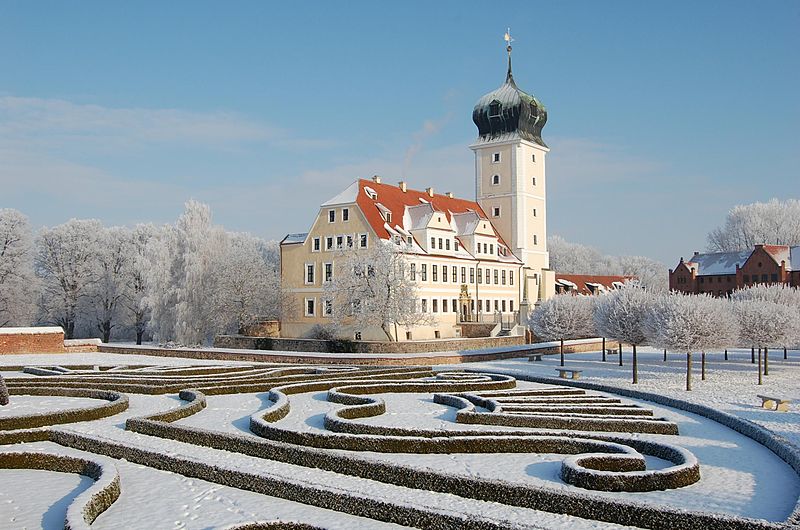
<point x="759" y="264"/>
<point x="52" y="342"/>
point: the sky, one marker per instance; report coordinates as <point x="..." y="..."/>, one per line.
<point x="661" y="115"/>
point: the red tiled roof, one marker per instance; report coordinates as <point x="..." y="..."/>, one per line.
<point x="582" y="279"/>
<point x="396" y="200"/>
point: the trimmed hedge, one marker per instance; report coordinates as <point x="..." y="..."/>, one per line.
<point x="116" y="403"/>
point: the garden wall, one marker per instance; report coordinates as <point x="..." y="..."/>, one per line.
<point x="31" y="340"/>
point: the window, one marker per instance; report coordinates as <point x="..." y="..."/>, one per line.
<point x="316" y="246"/>
<point x="496" y="211"/>
<point x="424" y="272"/>
<point x="327" y="308"/>
<point x="488" y="277"/>
<point x="533" y="158"/>
<point x="435" y="270"/>
<point x="478" y="248"/>
<point x="488" y="306"/>
<point x="410" y="241"/>
<point x="455" y="305"/>
<point x="433" y="243"/>
<point x="463" y="275"/>
<point x="455" y="274"/>
<point x="495" y="180"/>
<point x="494" y="109"/>
<point x="435" y="305"/>
<point x="496" y="275"/>
<point x="413" y="272"/>
<point x="491" y="249"/>
<point x="388" y="217"/>
<point x="447" y="244"/>
<point x="534" y="212"/>
<point x="339" y="241"/>
<point x="309" y="273"/>
<point x="437" y="334"/>
<point x="480" y="275"/>
<point x="328" y="243"/>
<point x="349" y="241"/>
<point x="444" y="305"/>
<point x="440" y="244"/>
<point x="328" y="272"/>
<point x="702" y="280"/>
<point x="746" y="278"/>
<point x="345" y="214"/>
<point x="310" y="307"/>
<point x="362" y="241"/>
<point x="357" y="335"/>
<point x="472" y="274"/>
<point x="774" y="278"/>
<point x="535" y="239"/>
<point x="503" y="277"/>
<point x="444" y="273"/>
<point x="484" y="248"/>
<point x="496" y="306"/>
<point x="331" y="216"/>
<point x="511" y="278"/>
<point x="764" y="278"/>
<point x="511" y="305"/>
<point x="534" y="181"/>
<point x="455" y="245"/>
<point x="503" y="306"/>
<point x="495" y="158"/>
<point x="424" y="305"/>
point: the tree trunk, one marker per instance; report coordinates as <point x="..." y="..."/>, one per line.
<point x="759" y="367"/>
<point x="604" y="350"/>
<point x="562" y="352"/>
<point x="386" y="332"/>
<point x="726" y="355"/>
<point x="620" y="353"/>
<point x="766" y="361"/>
<point x="105" y="328"/>
<point x="688" y="371"/>
<point x="785" y="354"/>
<point x="3" y="392"/>
<point x="703" y="366"/>
<point x="635" y="367"/>
<point x="665" y="355"/>
<point x="753" y="355"/>
<point x="139" y="333"/>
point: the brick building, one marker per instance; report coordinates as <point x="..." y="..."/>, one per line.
<point x="720" y="273"/>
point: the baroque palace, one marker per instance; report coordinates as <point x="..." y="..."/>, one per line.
<point x="473" y="261"/>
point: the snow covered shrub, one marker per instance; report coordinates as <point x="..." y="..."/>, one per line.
<point x="561" y="318"/>
<point x="3" y="392"/>
<point x="621" y="315"/>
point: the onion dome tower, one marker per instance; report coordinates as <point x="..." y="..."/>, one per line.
<point x="509" y="110"/>
<point x="510" y="177"/>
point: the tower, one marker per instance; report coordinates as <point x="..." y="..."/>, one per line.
<point x="510" y="182"/>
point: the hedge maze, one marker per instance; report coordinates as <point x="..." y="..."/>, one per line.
<point x="602" y="442"/>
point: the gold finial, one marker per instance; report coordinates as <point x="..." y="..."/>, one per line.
<point x="509" y="40"/>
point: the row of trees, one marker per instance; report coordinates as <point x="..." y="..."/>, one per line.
<point x="574" y="258"/>
<point x="762" y="316"/>
<point x="772" y="223"/>
<point x="182" y="282"/>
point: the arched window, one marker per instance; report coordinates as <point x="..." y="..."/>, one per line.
<point x="495" y="180"/>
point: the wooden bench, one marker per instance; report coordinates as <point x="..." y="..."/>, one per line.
<point x="611" y="351"/>
<point x="535" y="357"/>
<point x="562" y="373"/>
<point x="773" y="403"/>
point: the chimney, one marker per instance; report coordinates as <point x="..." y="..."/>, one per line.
<point x="696" y="253"/>
<point x="449" y="194"/>
<point x="429" y="191"/>
<point x="402" y="185"/>
<point x="376" y="179"/>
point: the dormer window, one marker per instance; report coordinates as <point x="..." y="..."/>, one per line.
<point x="495" y="180"/>
<point x="388" y="217"/>
<point x="494" y="109"/>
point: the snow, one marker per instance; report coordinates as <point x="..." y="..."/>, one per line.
<point x="39" y="499"/>
<point x="21" y="405"/>
<point x="31" y="331"/>
<point x="718" y="262"/>
<point x="345" y="197"/>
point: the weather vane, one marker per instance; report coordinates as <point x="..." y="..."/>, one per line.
<point x="508" y="39"/>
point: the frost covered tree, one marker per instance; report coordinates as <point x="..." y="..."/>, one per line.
<point x="372" y="287"/>
<point x="621" y="315"/>
<point x="780" y="294"/>
<point x="763" y="324"/>
<point x="17" y="279"/>
<point x="773" y="223"/>
<point x="182" y="279"/>
<point x="248" y="286"/>
<point x="111" y="279"/>
<point x="66" y="263"/>
<point x="574" y="258"/>
<point x="563" y="317"/>
<point x="689" y="323"/>
<point x="138" y="313"/>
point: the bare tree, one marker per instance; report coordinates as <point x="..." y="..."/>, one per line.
<point x="563" y="317"/>
<point x="621" y="315"/>
<point x="18" y="282"/>
<point x="66" y="263"/>
<point x="689" y="323"/>
<point x="372" y="288"/>
<point x="775" y="222"/>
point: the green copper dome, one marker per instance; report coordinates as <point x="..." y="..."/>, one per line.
<point x="509" y="110"/>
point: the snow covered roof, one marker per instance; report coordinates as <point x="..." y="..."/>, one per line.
<point x="346" y="197"/>
<point x="779" y="253"/>
<point x="717" y="263"/>
<point x="294" y="238"/>
<point x="591" y="284"/>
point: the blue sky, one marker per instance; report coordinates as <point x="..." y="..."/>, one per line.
<point x="662" y="116"/>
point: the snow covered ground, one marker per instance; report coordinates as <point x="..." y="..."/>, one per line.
<point x="738" y="475"/>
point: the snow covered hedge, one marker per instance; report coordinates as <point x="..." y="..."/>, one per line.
<point x="116" y="403"/>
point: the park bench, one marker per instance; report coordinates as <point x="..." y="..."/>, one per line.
<point x="611" y="351"/>
<point x="562" y="373"/>
<point x="773" y="403"/>
<point x="535" y="357"/>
